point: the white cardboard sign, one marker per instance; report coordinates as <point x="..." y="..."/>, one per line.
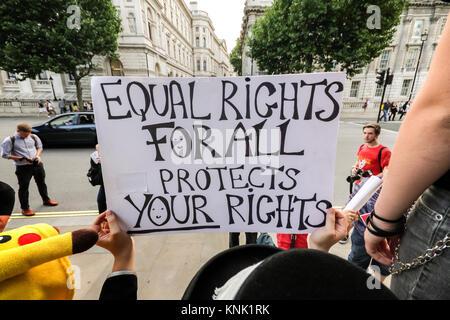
<point x="233" y="154"/>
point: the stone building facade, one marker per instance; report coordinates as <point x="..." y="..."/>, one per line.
<point x="412" y="48"/>
<point x="401" y="56"/>
<point x="159" y="39"/>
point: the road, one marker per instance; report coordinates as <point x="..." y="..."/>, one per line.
<point x="165" y="263"/>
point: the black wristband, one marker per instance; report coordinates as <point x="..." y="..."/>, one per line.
<point x="377" y="231"/>
<point x="386" y="220"/>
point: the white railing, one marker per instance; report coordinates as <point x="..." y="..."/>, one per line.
<point x="42" y="82"/>
<point x="5" y="103"/>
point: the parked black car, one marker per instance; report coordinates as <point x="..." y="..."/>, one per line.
<point x="74" y="128"/>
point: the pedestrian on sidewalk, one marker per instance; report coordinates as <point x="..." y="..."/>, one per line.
<point x="386" y="106"/>
<point x="365" y="105"/>
<point x="25" y="149"/>
<point x="393" y="111"/>
<point x="62" y="106"/>
<point x="404" y="109"/>
<point x="42" y="108"/>
<point x="50" y="108"/>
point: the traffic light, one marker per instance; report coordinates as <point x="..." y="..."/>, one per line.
<point x="389" y="78"/>
<point x="380" y="77"/>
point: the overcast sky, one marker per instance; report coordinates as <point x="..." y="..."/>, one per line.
<point x="226" y="16"/>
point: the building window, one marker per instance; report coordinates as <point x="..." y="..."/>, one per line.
<point x="116" y="68"/>
<point x="204" y="65"/>
<point x="354" y="88"/>
<point x="131" y="22"/>
<point x="149" y="30"/>
<point x="379" y="90"/>
<point x="417" y="31"/>
<point x="197" y="41"/>
<point x="198" y="65"/>
<point x="149" y="24"/>
<point x="204" y="42"/>
<point x="411" y="57"/>
<point x="406" y="87"/>
<point x="196" y="29"/>
<point x="384" y="60"/>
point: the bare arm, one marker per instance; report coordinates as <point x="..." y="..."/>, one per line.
<point x="421" y="153"/>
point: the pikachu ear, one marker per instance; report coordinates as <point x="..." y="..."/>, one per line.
<point x="83" y="240"/>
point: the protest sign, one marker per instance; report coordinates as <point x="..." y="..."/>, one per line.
<point x="228" y="154"/>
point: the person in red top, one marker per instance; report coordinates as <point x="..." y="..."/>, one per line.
<point x="289" y="241"/>
<point x="375" y="157"/>
<point x="372" y="155"/>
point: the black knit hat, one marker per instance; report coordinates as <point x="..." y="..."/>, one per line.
<point x="285" y="275"/>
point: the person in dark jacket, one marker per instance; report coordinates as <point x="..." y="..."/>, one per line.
<point x="121" y="283"/>
<point x="96" y="179"/>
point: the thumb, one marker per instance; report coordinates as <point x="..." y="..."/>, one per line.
<point x="113" y="222"/>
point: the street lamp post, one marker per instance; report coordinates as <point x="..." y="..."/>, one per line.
<point x="252" y="41"/>
<point x="53" y="89"/>
<point x="423" y="38"/>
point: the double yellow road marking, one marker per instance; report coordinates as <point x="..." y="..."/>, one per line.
<point x="65" y="214"/>
<point x="56" y="214"/>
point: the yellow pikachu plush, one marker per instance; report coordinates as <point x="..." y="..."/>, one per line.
<point x="34" y="263"/>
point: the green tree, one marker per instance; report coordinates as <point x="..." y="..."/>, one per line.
<point x="62" y="36"/>
<point x="236" y="57"/>
<point x="307" y="35"/>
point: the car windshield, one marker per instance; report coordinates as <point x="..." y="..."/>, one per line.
<point x="66" y="120"/>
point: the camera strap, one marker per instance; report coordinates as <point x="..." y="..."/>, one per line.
<point x="13" y="139"/>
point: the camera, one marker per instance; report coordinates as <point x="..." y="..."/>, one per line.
<point x="34" y="161"/>
<point x="359" y="174"/>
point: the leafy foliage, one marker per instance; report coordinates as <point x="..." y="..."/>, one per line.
<point x="307" y="35"/>
<point x="35" y="36"/>
<point x="236" y="57"/>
